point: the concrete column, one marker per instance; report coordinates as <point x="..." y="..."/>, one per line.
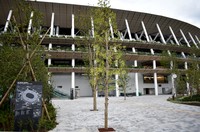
<point x="49" y="61"/>
<point x="52" y="24"/>
<point x="30" y="23"/>
<point x="111" y="28"/>
<point x="173" y="76"/>
<point x="117" y="85"/>
<point x="92" y="25"/>
<point x="57" y="30"/>
<point x="49" y="48"/>
<point x="136" y="75"/>
<point x="155" y="78"/>
<point x="8" y="21"/>
<point x="136" y="80"/>
<point x="73" y="27"/>
<point x="73" y="60"/>
<point x="187" y="84"/>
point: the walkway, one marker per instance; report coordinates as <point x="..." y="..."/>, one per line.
<point x="136" y="114"/>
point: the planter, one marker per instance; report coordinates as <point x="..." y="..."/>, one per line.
<point x="106" y="130"/>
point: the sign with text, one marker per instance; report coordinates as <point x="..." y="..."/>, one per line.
<point x="28" y="105"/>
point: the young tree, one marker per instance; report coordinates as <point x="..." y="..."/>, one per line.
<point x="104" y="55"/>
<point x="84" y="22"/>
<point x="107" y="52"/>
<point x="123" y="81"/>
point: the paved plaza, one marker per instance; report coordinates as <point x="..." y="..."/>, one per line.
<point x="136" y="114"/>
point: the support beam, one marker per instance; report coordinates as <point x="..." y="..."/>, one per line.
<point x="111" y="29"/>
<point x="52" y="24"/>
<point x="180" y="40"/>
<point x="136" y="36"/>
<point x="174" y="36"/>
<point x="156" y="37"/>
<point x="150" y="38"/>
<point x="197" y="39"/>
<point x="30" y="23"/>
<point x="193" y="40"/>
<point x="8" y="21"/>
<point x="161" y="35"/>
<point x="141" y="35"/>
<point x="120" y="35"/>
<point x="145" y="31"/>
<point x="128" y="29"/>
<point x="185" y="38"/>
<point x="183" y="54"/>
<point x="169" y="38"/>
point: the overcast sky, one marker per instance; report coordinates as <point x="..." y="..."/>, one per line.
<point x="184" y="10"/>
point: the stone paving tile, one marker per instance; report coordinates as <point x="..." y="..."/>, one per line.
<point x="136" y="114"/>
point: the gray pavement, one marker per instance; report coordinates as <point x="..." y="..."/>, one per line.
<point x="136" y="114"/>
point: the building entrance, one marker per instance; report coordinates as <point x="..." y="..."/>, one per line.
<point x="149" y="91"/>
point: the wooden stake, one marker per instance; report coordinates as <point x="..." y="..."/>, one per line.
<point x="32" y="72"/>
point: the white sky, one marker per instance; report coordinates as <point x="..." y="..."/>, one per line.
<point x="184" y="10"/>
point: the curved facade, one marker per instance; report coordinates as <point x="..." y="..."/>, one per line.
<point x="145" y="36"/>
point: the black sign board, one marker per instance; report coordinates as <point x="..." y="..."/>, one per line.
<point x="28" y="105"/>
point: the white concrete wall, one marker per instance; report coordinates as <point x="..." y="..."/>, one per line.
<point x="83" y="84"/>
<point x="142" y="85"/>
<point x="64" y="80"/>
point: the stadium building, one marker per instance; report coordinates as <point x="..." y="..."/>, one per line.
<point x="145" y="36"/>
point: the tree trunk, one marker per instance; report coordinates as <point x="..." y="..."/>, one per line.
<point x="106" y="88"/>
<point x="124" y="92"/>
<point x="94" y="99"/>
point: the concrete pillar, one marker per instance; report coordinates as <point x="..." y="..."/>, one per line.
<point x="155" y="78"/>
<point x="57" y="31"/>
<point x="30" y="23"/>
<point x="117" y="85"/>
<point x="52" y="24"/>
<point x="73" y="60"/>
<point x="8" y="21"/>
<point x="92" y="25"/>
<point x="73" y="27"/>
<point x="111" y="28"/>
<point x="136" y="80"/>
